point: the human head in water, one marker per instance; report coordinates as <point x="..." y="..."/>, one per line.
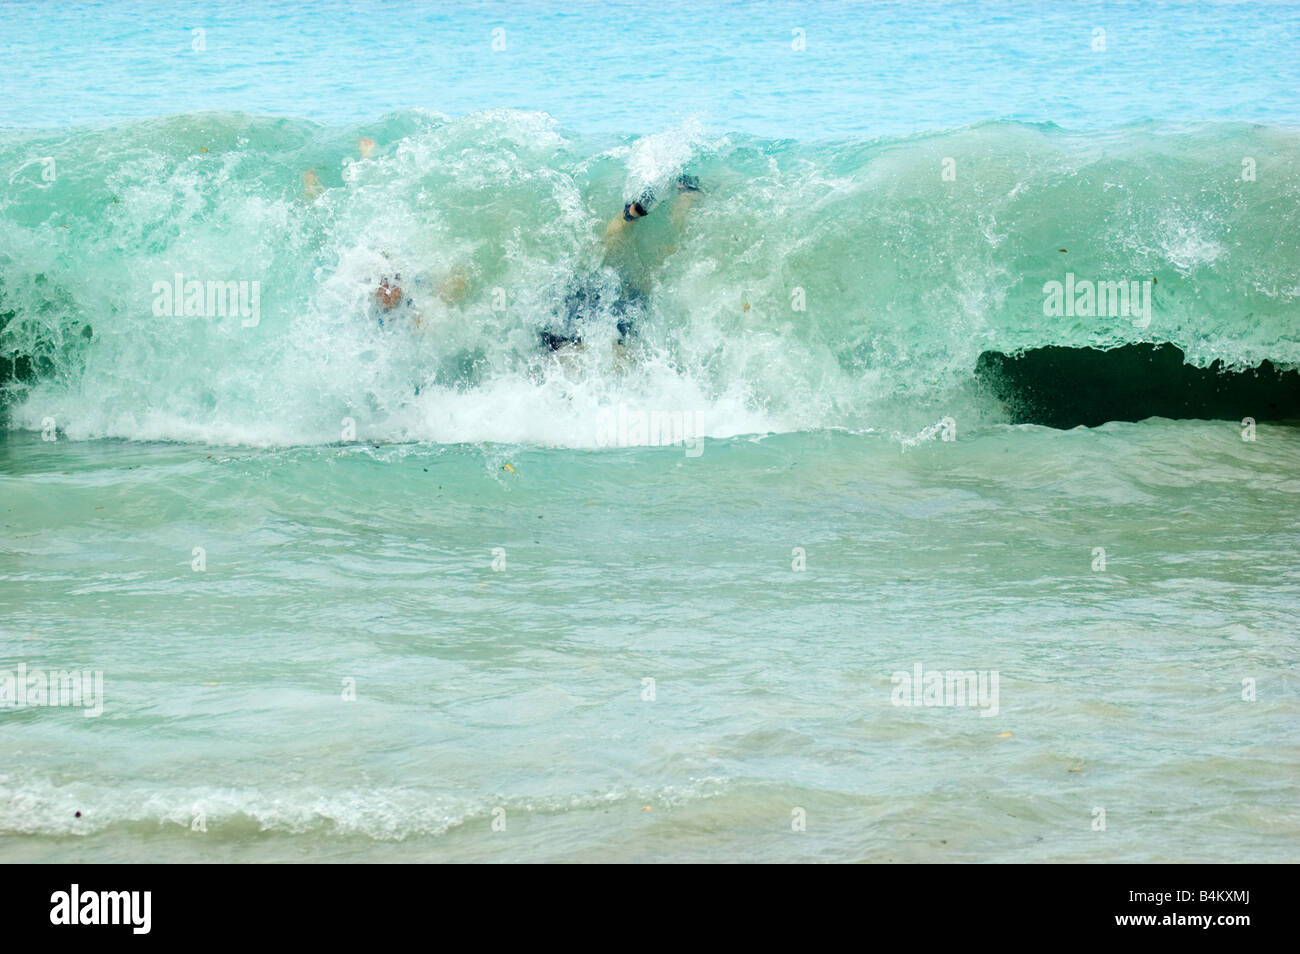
<point x="646" y="201"/>
<point x="389" y="294"/>
<point x="641" y="207"/>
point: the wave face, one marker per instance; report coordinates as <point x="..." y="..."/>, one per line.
<point x="812" y="285"/>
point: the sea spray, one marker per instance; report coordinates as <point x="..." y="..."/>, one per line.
<point x="812" y="285"/>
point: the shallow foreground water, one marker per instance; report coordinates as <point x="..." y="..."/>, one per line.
<point x="505" y="714"/>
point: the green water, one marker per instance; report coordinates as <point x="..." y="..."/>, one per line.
<point x="516" y="695"/>
<point x="406" y="585"/>
<point x="812" y="285"/>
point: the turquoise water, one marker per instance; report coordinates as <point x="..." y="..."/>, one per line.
<point x="425" y="590"/>
<point x="522" y="689"/>
<point x="866" y="68"/>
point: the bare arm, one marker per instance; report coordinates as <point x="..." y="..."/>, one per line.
<point x="682" y="208"/>
<point x="615" y="233"/>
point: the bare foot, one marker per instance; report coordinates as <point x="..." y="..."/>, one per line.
<point x="365" y="147"/>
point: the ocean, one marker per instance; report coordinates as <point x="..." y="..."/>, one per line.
<point x="922" y="489"/>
